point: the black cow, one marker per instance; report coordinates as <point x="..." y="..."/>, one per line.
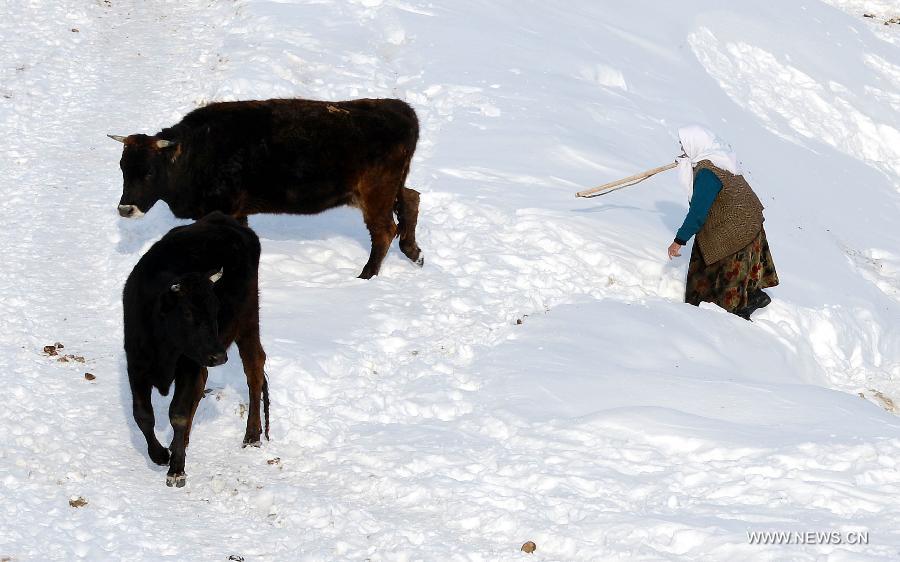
<point x="188" y="298"/>
<point x="283" y="156"/>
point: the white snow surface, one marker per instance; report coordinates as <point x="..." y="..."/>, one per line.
<point x="413" y="416"/>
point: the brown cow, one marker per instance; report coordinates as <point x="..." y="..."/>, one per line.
<point x="188" y="298"/>
<point x="283" y="156"/>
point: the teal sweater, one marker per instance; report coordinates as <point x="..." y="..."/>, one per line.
<point x="706" y="189"/>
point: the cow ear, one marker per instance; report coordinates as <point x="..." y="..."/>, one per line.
<point x="217" y="275"/>
<point x="176" y="153"/>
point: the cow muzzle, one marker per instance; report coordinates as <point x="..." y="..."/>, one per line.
<point x="130" y="211"/>
<point x="216" y="359"/>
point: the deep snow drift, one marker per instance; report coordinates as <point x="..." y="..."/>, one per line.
<point x="414" y="416"/>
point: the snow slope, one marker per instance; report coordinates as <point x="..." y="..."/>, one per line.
<point x="539" y="379"/>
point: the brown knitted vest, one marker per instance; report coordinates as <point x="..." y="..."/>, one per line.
<point x="734" y="219"/>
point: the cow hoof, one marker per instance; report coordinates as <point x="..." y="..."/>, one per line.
<point x="421" y="261"/>
<point x="252" y="443"/>
<point x="177" y="480"/>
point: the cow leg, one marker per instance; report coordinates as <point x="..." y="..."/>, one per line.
<point x="377" y="208"/>
<point x="142" y="409"/>
<point x="188" y="388"/>
<point x="408" y="215"/>
<point x="254" y="359"/>
<point x="199" y="389"/>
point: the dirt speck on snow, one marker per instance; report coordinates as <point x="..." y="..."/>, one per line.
<point x="77" y="501"/>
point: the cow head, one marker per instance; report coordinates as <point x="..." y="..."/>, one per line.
<point x="145" y="164"/>
<point x="189" y="312"/>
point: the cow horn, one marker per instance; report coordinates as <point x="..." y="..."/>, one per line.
<point x="119" y="138"/>
<point x="163" y="143"/>
<point x="217" y="275"/>
<point x="175" y="288"/>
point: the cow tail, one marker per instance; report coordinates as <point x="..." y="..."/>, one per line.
<point x="265" y="398"/>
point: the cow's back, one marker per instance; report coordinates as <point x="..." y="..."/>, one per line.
<point x="298" y="123"/>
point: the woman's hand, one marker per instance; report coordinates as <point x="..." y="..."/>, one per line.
<point x="674" y="250"/>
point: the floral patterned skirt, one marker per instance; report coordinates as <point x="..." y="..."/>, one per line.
<point x="729" y="281"/>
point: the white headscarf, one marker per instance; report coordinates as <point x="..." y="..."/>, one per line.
<point x="700" y="143"/>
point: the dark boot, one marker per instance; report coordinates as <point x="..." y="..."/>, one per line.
<point x="744" y="313"/>
<point x="757" y="299"/>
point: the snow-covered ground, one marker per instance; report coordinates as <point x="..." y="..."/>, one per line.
<point x="539" y="380"/>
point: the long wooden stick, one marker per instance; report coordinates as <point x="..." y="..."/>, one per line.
<point x="624" y="182"/>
